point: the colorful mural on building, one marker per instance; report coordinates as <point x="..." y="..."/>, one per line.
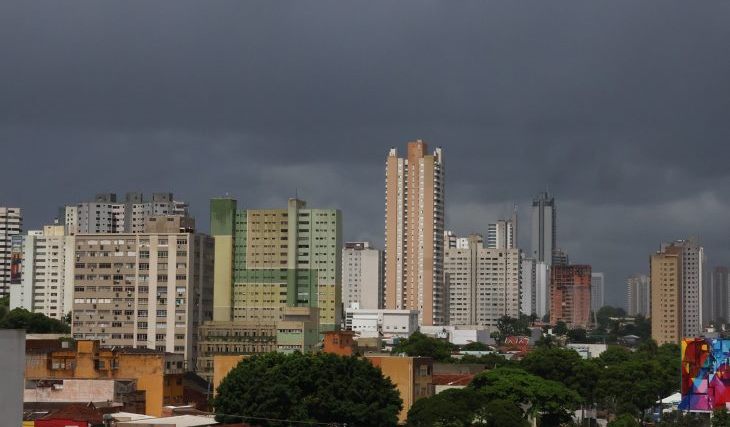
<point x="705" y="374"/>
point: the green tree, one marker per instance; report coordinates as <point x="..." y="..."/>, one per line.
<point x="605" y="313"/>
<point x="453" y="408"/>
<point x="720" y="418"/>
<point x="555" y="364"/>
<point x="561" y="328"/>
<point x="33" y="323"/>
<point x="475" y="346"/>
<point x="320" y="387"/>
<point x="550" y="400"/>
<point x="501" y="413"/>
<point x="419" y="344"/>
<point x="578" y="335"/>
<point x="624" y="420"/>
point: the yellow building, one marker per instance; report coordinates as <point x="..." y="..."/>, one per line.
<point x="89" y="361"/>
<point x="222" y="365"/>
<point x="666" y="281"/>
<point x="412" y="376"/>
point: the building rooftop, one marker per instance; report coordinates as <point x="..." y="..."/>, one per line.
<point x="177" y="421"/>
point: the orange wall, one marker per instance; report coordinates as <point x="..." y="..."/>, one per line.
<point x="222" y="365"/>
<point x="411" y="382"/>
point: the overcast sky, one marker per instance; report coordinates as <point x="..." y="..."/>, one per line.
<point x="621" y="108"/>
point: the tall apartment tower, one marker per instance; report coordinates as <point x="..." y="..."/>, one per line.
<point x="692" y="263"/>
<point x="543" y="228"/>
<point x="718" y="297"/>
<point x="47" y="281"/>
<point x="639" y="295"/>
<point x="597" y="291"/>
<point x="144" y="290"/>
<point x="105" y="214"/>
<point x="268" y="259"/>
<point x="666" y="296"/>
<point x="484" y="283"/>
<point x="11" y="224"/>
<point x="570" y="295"/>
<point x="414" y="231"/>
<point x="503" y="233"/>
<point x="534" y="288"/>
<point x="362" y="276"/>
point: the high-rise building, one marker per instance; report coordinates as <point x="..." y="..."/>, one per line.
<point x="597" y="291"/>
<point x="718" y="296"/>
<point x="543" y="228"/>
<point x="639" y="295"/>
<point x="107" y="215"/>
<point x="503" y="233"/>
<point x="570" y="295"/>
<point x="484" y="283"/>
<point x="666" y="296"/>
<point x="11" y="224"/>
<point x="534" y="288"/>
<point x="560" y="257"/>
<point x="692" y="261"/>
<point x="144" y="290"/>
<point x="47" y="279"/>
<point x="414" y="231"/>
<point x="274" y="258"/>
<point x="362" y="276"/>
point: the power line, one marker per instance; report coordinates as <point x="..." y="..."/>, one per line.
<point x="247" y="417"/>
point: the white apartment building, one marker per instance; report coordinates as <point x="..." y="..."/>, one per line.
<point x="11" y="224"/>
<point x="639" y="295"/>
<point x="381" y="322"/>
<point x="534" y="288"/>
<point x="503" y="233"/>
<point x="483" y="283"/>
<point x="362" y="275"/>
<point x="597" y="291"/>
<point x="46" y="280"/>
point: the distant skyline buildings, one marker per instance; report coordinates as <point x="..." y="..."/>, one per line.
<point x="11" y="224"/>
<point x="544" y="232"/>
<point x="570" y="295"/>
<point x="107" y="214"/>
<point x="414" y="233"/>
<point x="638" y="295"/>
<point x="362" y="276"/>
<point x="716" y="296"/>
<point x="503" y="233"/>
<point x="597" y="289"/>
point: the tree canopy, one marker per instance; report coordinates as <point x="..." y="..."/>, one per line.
<point x="317" y="387"/>
<point x="419" y="344"/>
<point x="33" y="323"/>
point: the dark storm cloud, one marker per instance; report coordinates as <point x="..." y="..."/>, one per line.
<point x="622" y="108"/>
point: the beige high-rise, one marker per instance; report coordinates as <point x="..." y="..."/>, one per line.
<point x="414" y="229"/>
<point x="666" y="286"/>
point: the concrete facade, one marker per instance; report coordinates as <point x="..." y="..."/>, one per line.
<point x="544" y="231"/>
<point x="570" y="295"/>
<point x="381" y="322"/>
<point x="414" y="230"/>
<point x="12" y="353"/>
<point x="362" y="276"/>
<point x="143" y="290"/>
<point x="483" y="283"/>
<point x="11" y="224"/>
<point x="666" y="296"/>
<point x="412" y="376"/>
<point x="692" y="263"/>
<point x="47" y="276"/>
<point x="597" y="291"/>
<point x="638" y="295"/>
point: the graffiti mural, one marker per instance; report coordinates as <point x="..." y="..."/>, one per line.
<point x="705" y="374"/>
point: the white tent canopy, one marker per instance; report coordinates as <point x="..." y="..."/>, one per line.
<point x="671" y="400"/>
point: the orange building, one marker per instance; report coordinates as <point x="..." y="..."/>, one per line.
<point x="340" y="342"/>
<point x="222" y="365"/>
<point x="412" y="376"/>
<point x="87" y="360"/>
<point x="570" y="295"/>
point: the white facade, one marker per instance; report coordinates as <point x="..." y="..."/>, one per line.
<point x="543" y="228"/>
<point x="11" y="224"/>
<point x="542" y="289"/>
<point x="528" y="303"/>
<point x="597" y="291"/>
<point x="503" y="233"/>
<point x="362" y="276"/>
<point x="380" y="322"/>
<point x="693" y="263"/>
<point x="483" y="283"/>
<point x="639" y="295"/>
<point x="47" y="277"/>
<point x="459" y="335"/>
<point x="588" y="351"/>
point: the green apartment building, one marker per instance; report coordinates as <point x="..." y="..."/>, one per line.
<point x="269" y="264"/>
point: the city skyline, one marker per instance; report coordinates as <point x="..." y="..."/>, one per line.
<point x="278" y="104"/>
